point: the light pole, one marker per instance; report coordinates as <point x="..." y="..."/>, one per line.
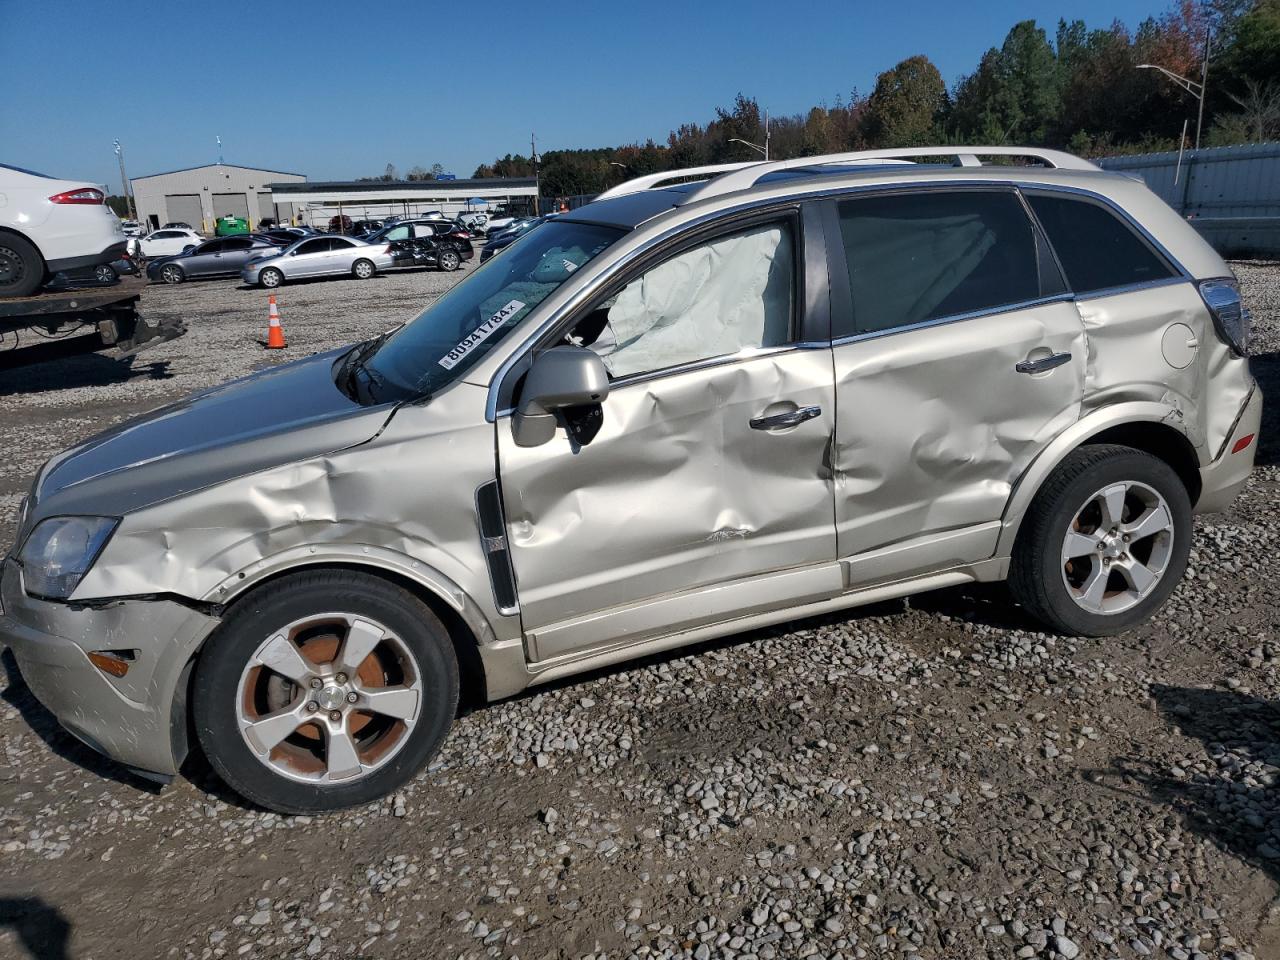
<point x="764" y="151"/>
<point x="124" y="182"/>
<point x="623" y="166"/>
<point x="1197" y="90"/>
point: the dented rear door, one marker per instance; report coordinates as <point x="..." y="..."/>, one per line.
<point x="958" y="356"/>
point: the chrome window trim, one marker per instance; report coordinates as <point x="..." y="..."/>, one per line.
<point x="1133" y="288"/>
<point x="954" y="318"/>
<point x="819" y="192"/>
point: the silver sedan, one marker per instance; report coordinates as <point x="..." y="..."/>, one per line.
<point x="318" y="257"/>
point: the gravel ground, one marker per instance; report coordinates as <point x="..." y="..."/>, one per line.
<point x="922" y="779"/>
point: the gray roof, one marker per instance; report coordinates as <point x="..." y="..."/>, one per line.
<point x="206" y="166"/>
<point x="381" y="186"/>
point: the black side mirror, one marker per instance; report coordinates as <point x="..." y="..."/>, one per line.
<point x="561" y="377"/>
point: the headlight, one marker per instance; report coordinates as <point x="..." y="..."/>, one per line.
<point x="60" y="551"/>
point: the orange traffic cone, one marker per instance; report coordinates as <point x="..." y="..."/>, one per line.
<point x="275" y="335"/>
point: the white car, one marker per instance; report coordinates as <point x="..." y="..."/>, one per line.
<point x="165" y="243"/>
<point x="319" y="257"/>
<point x="48" y="226"/>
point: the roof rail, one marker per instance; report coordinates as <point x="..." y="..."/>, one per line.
<point x="650" y="180"/>
<point x="747" y="175"/>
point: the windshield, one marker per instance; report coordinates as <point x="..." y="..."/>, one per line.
<point x="452" y="334"/>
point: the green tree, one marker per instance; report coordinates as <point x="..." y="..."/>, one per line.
<point x="904" y="108"/>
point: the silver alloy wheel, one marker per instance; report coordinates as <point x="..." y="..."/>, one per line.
<point x="364" y="269"/>
<point x="270" y="277"/>
<point x="329" y="699"/>
<point x="1117" y="548"/>
<point x="104" y="273"/>
<point x="171" y="274"/>
<point x="448" y="260"/>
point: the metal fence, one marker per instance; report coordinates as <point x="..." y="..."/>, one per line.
<point x="1230" y="194"/>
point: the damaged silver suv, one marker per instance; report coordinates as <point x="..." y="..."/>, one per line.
<point x="711" y="400"/>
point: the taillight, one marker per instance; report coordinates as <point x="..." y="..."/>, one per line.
<point x="1230" y="316"/>
<point x="86" y="195"/>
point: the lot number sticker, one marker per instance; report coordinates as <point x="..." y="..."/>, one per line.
<point x="480" y="334"/>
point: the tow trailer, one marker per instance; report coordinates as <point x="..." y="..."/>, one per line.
<point x="62" y="323"/>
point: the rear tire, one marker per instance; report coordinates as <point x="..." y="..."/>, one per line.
<point x="1104" y="542"/>
<point x="363" y="269"/>
<point x="335" y="755"/>
<point x="448" y="260"/>
<point x="21" y="266"/>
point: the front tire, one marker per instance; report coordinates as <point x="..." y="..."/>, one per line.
<point x="324" y="690"/>
<point x="1104" y="542"/>
<point x="21" y="266"/>
<point x="363" y="269"/>
<point x="172" y="273"/>
<point x="271" y="278"/>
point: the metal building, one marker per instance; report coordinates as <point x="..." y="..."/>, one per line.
<point x="1230" y="194"/>
<point x="200" y="195"/>
<point x="317" y="203"/>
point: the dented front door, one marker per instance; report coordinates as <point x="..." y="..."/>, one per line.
<point x="678" y="494"/>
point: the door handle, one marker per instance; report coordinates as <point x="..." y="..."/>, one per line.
<point x="1043" y="364"/>
<point x="789" y="419"/>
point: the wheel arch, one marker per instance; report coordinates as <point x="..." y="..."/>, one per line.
<point x="1150" y="427"/>
<point x="464" y="632"/>
<point x="35" y="246"/>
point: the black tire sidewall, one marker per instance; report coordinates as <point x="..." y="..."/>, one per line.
<point x="253" y="619"/>
<point x="355" y="269"/>
<point x="262" y="278"/>
<point x="32" y="266"/>
<point x="456" y="261"/>
<point x="1057" y="515"/>
<point x="165" y="271"/>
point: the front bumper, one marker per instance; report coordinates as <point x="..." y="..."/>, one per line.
<point x="1222" y="480"/>
<point x="138" y="719"/>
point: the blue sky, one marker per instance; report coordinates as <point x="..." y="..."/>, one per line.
<point x="336" y="89"/>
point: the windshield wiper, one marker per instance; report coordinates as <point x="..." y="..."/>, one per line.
<point x="354" y="363"/>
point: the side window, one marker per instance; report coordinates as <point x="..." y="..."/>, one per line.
<point x="729" y="294"/>
<point x="237" y="243"/>
<point x="919" y="257"/>
<point x="340" y="244"/>
<point x="397" y="233"/>
<point x="314" y="246"/>
<point x="1097" y="249"/>
<point x="423" y="231"/>
<point x="165" y="235"/>
<point x="213" y="246"/>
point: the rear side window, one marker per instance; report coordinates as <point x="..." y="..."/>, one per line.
<point x="919" y="257"/>
<point x="1096" y="248"/>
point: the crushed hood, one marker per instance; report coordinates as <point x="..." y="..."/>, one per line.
<point x="264" y="420"/>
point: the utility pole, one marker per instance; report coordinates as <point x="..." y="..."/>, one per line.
<point x="219" y="139"/>
<point x="1204" y="81"/>
<point x="124" y="183"/>
<point x="537" y="174"/>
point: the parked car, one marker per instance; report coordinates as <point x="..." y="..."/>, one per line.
<point x="167" y="242"/>
<point x="341" y="224"/>
<point x="132" y="228"/>
<point x="363" y="228"/>
<point x="318" y="257"/>
<point x="177" y="225"/>
<point x="499" y="223"/>
<point x="436" y="243"/>
<point x="220" y="257"/>
<point x="48" y="226"/>
<point x="504" y="238"/>
<point x="476" y="221"/>
<point x="680" y="412"/>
